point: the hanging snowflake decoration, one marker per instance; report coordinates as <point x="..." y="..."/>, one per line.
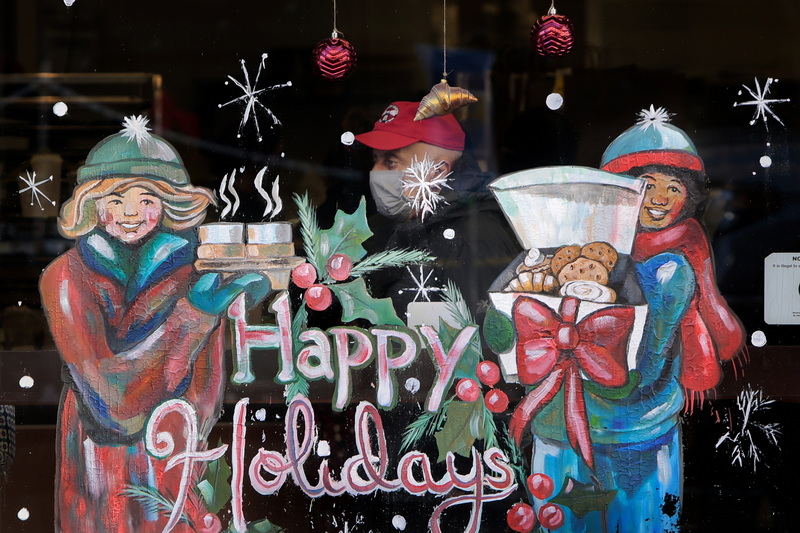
<point x="250" y="98"/>
<point x="421" y="286"/>
<point x="135" y="128"/>
<point x="653" y="118"/>
<point x="746" y="433"/>
<point x="422" y="183"/>
<point x="762" y="103"/>
<point x="33" y="186"/>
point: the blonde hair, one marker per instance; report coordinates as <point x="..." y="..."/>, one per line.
<point x="184" y="207"/>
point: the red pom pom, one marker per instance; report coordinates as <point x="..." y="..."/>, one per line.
<point x="553" y="35"/>
<point x="334" y="58"/>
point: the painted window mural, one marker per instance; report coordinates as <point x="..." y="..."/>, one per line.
<point x="430" y="266"/>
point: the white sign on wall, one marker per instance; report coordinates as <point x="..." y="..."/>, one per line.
<point x="782" y="288"/>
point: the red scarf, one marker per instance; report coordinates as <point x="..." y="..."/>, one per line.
<point x="710" y="331"/>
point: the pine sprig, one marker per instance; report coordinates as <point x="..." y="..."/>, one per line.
<point x="425" y="425"/>
<point x="515" y="457"/>
<point x="152" y="500"/>
<point x="489" y="428"/>
<point x="457" y="306"/>
<point x="309" y="230"/>
<point x="390" y="258"/>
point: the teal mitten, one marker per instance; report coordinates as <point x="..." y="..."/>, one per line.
<point x="211" y="296"/>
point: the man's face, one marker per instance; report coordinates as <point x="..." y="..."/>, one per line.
<point x="399" y="159"/>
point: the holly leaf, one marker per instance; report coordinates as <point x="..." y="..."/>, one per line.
<point x="468" y="363"/>
<point x="346" y="235"/>
<point x="214" y="487"/>
<point x="583" y="498"/>
<point x="498" y="330"/>
<point x="457" y="435"/>
<point x="358" y="303"/>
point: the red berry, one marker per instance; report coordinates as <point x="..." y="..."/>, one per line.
<point x="521" y="517"/>
<point x="541" y="486"/>
<point x="304" y="275"/>
<point x="339" y="267"/>
<point x="496" y="401"/>
<point x="551" y="516"/>
<point x="468" y="390"/>
<point x="318" y="297"/>
<point x="488" y="373"/>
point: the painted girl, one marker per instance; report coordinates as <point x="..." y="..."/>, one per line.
<point x="635" y="482"/>
<point x="135" y="327"/>
<point x="663" y="155"/>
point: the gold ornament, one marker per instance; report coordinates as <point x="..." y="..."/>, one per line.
<point x="442" y="100"/>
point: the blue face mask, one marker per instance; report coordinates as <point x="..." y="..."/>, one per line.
<point x="387" y="190"/>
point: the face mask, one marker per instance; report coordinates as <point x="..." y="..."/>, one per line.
<point x="387" y="190"/>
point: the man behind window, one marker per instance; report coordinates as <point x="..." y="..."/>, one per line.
<point x="465" y="230"/>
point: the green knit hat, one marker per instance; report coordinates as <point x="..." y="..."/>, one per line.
<point x="134" y="153"/>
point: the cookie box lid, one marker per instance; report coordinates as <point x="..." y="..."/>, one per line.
<point x="549" y="207"/>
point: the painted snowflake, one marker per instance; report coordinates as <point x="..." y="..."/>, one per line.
<point x="747" y="432"/>
<point x="422" y="185"/>
<point x="36" y="193"/>
<point x="250" y="98"/>
<point x="762" y="103"/>
<point x="421" y="284"/>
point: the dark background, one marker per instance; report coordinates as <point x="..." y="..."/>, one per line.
<point x="692" y="57"/>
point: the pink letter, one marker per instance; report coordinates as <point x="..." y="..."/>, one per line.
<point x="446" y="363"/>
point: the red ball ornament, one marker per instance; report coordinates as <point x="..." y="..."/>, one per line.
<point x="318" y="297"/>
<point x="334" y="58"/>
<point x="339" y="267"/>
<point x="521" y="517"/>
<point x="496" y="401"/>
<point x="553" y="35"/>
<point x="468" y="390"/>
<point x="551" y="516"/>
<point x="488" y="372"/>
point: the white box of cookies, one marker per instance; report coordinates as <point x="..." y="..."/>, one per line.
<point x="577" y="226"/>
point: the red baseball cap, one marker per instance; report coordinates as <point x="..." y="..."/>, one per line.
<point x="397" y="128"/>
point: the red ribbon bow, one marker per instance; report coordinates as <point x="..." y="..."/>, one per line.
<point x="553" y="350"/>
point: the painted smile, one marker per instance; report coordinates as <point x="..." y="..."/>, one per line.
<point x="657" y="213"/>
<point x="130" y="227"/>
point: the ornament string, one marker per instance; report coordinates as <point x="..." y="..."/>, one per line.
<point x="552" y="10"/>
<point x="335" y="29"/>
<point x="444" y="40"/>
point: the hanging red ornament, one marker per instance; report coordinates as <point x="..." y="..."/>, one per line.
<point x="553" y="35"/>
<point x="334" y="58"/>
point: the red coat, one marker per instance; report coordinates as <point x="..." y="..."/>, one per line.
<point x="129" y="340"/>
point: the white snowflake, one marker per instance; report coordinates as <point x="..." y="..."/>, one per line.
<point x="422" y="182"/>
<point x="33" y="186"/>
<point x="745" y="431"/>
<point x="251" y="95"/>
<point x="421" y="284"/>
<point x="136" y="128"/>
<point x="653" y="118"/>
<point x="761" y="102"/>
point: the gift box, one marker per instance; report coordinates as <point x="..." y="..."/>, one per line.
<point x="551" y="207"/>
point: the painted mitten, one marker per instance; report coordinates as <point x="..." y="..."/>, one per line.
<point x="211" y="296"/>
